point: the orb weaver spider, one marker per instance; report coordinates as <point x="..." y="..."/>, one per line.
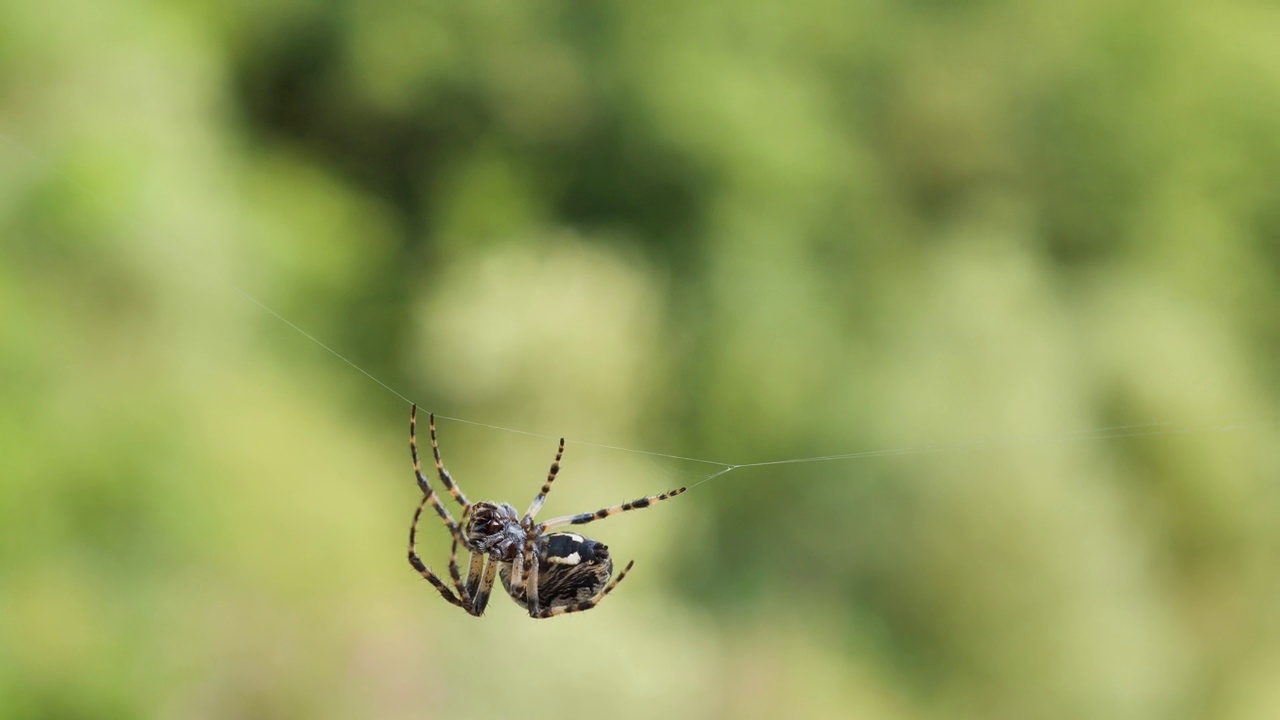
<point x="547" y="574"/>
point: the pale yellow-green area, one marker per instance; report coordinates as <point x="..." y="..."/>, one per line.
<point x="731" y="231"/>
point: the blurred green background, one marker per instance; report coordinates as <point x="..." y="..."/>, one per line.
<point x="736" y="231"/>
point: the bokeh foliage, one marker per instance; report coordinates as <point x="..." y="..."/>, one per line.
<point x="736" y="231"/>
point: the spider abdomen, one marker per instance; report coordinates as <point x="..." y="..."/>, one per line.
<point x="571" y="569"/>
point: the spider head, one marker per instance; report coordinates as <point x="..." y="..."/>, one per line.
<point x="495" y="529"/>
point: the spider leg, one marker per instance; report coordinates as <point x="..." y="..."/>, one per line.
<point x="456" y="576"/>
<point x="486" y="584"/>
<point x="546" y="486"/>
<point x="474" y="574"/>
<point x="602" y="513"/>
<point x="427" y="492"/>
<point x="466" y="591"/>
<point x="522" y="576"/>
<point x="421" y="567"/>
<point x="530" y="577"/>
<point x="585" y="604"/>
<point x="445" y="477"/>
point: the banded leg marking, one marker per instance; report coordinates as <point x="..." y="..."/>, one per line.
<point x="422" y="568"/>
<point x="445" y="477"/>
<point x="427" y="492"/>
<point x="541" y="497"/>
<point x="602" y="513"/>
<point x="486" y="587"/>
<point x="530" y="577"/>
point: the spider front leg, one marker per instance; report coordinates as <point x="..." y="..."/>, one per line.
<point x="428" y="493"/>
<point x="465" y="593"/>
<point x="444" y="475"/>
<point x="425" y="571"/>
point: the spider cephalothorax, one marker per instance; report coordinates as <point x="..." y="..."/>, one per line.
<point x="495" y="530"/>
<point x="548" y="574"/>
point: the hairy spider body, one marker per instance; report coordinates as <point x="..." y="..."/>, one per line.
<point x="547" y="574"/>
<point x="495" y="530"/>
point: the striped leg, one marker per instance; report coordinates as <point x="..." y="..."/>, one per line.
<point x="585" y="604"/>
<point x="486" y="586"/>
<point x="475" y="574"/>
<point x="546" y="486"/>
<point x="467" y="591"/>
<point x="445" y="477"/>
<point x="427" y="492"/>
<point x="421" y="567"/>
<point x="456" y="576"/>
<point x="602" y="513"/>
<point x="464" y="596"/>
<point x="524" y="571"/>
<point x="530" y="577"/>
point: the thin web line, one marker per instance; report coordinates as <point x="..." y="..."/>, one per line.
<point x="304" y="333"/>
<point x="567" y="441"/>
<point x="317" y="341"/>
<point x="1104" y="433"/>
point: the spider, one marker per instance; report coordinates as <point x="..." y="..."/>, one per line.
<point x="547" y="574"/>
